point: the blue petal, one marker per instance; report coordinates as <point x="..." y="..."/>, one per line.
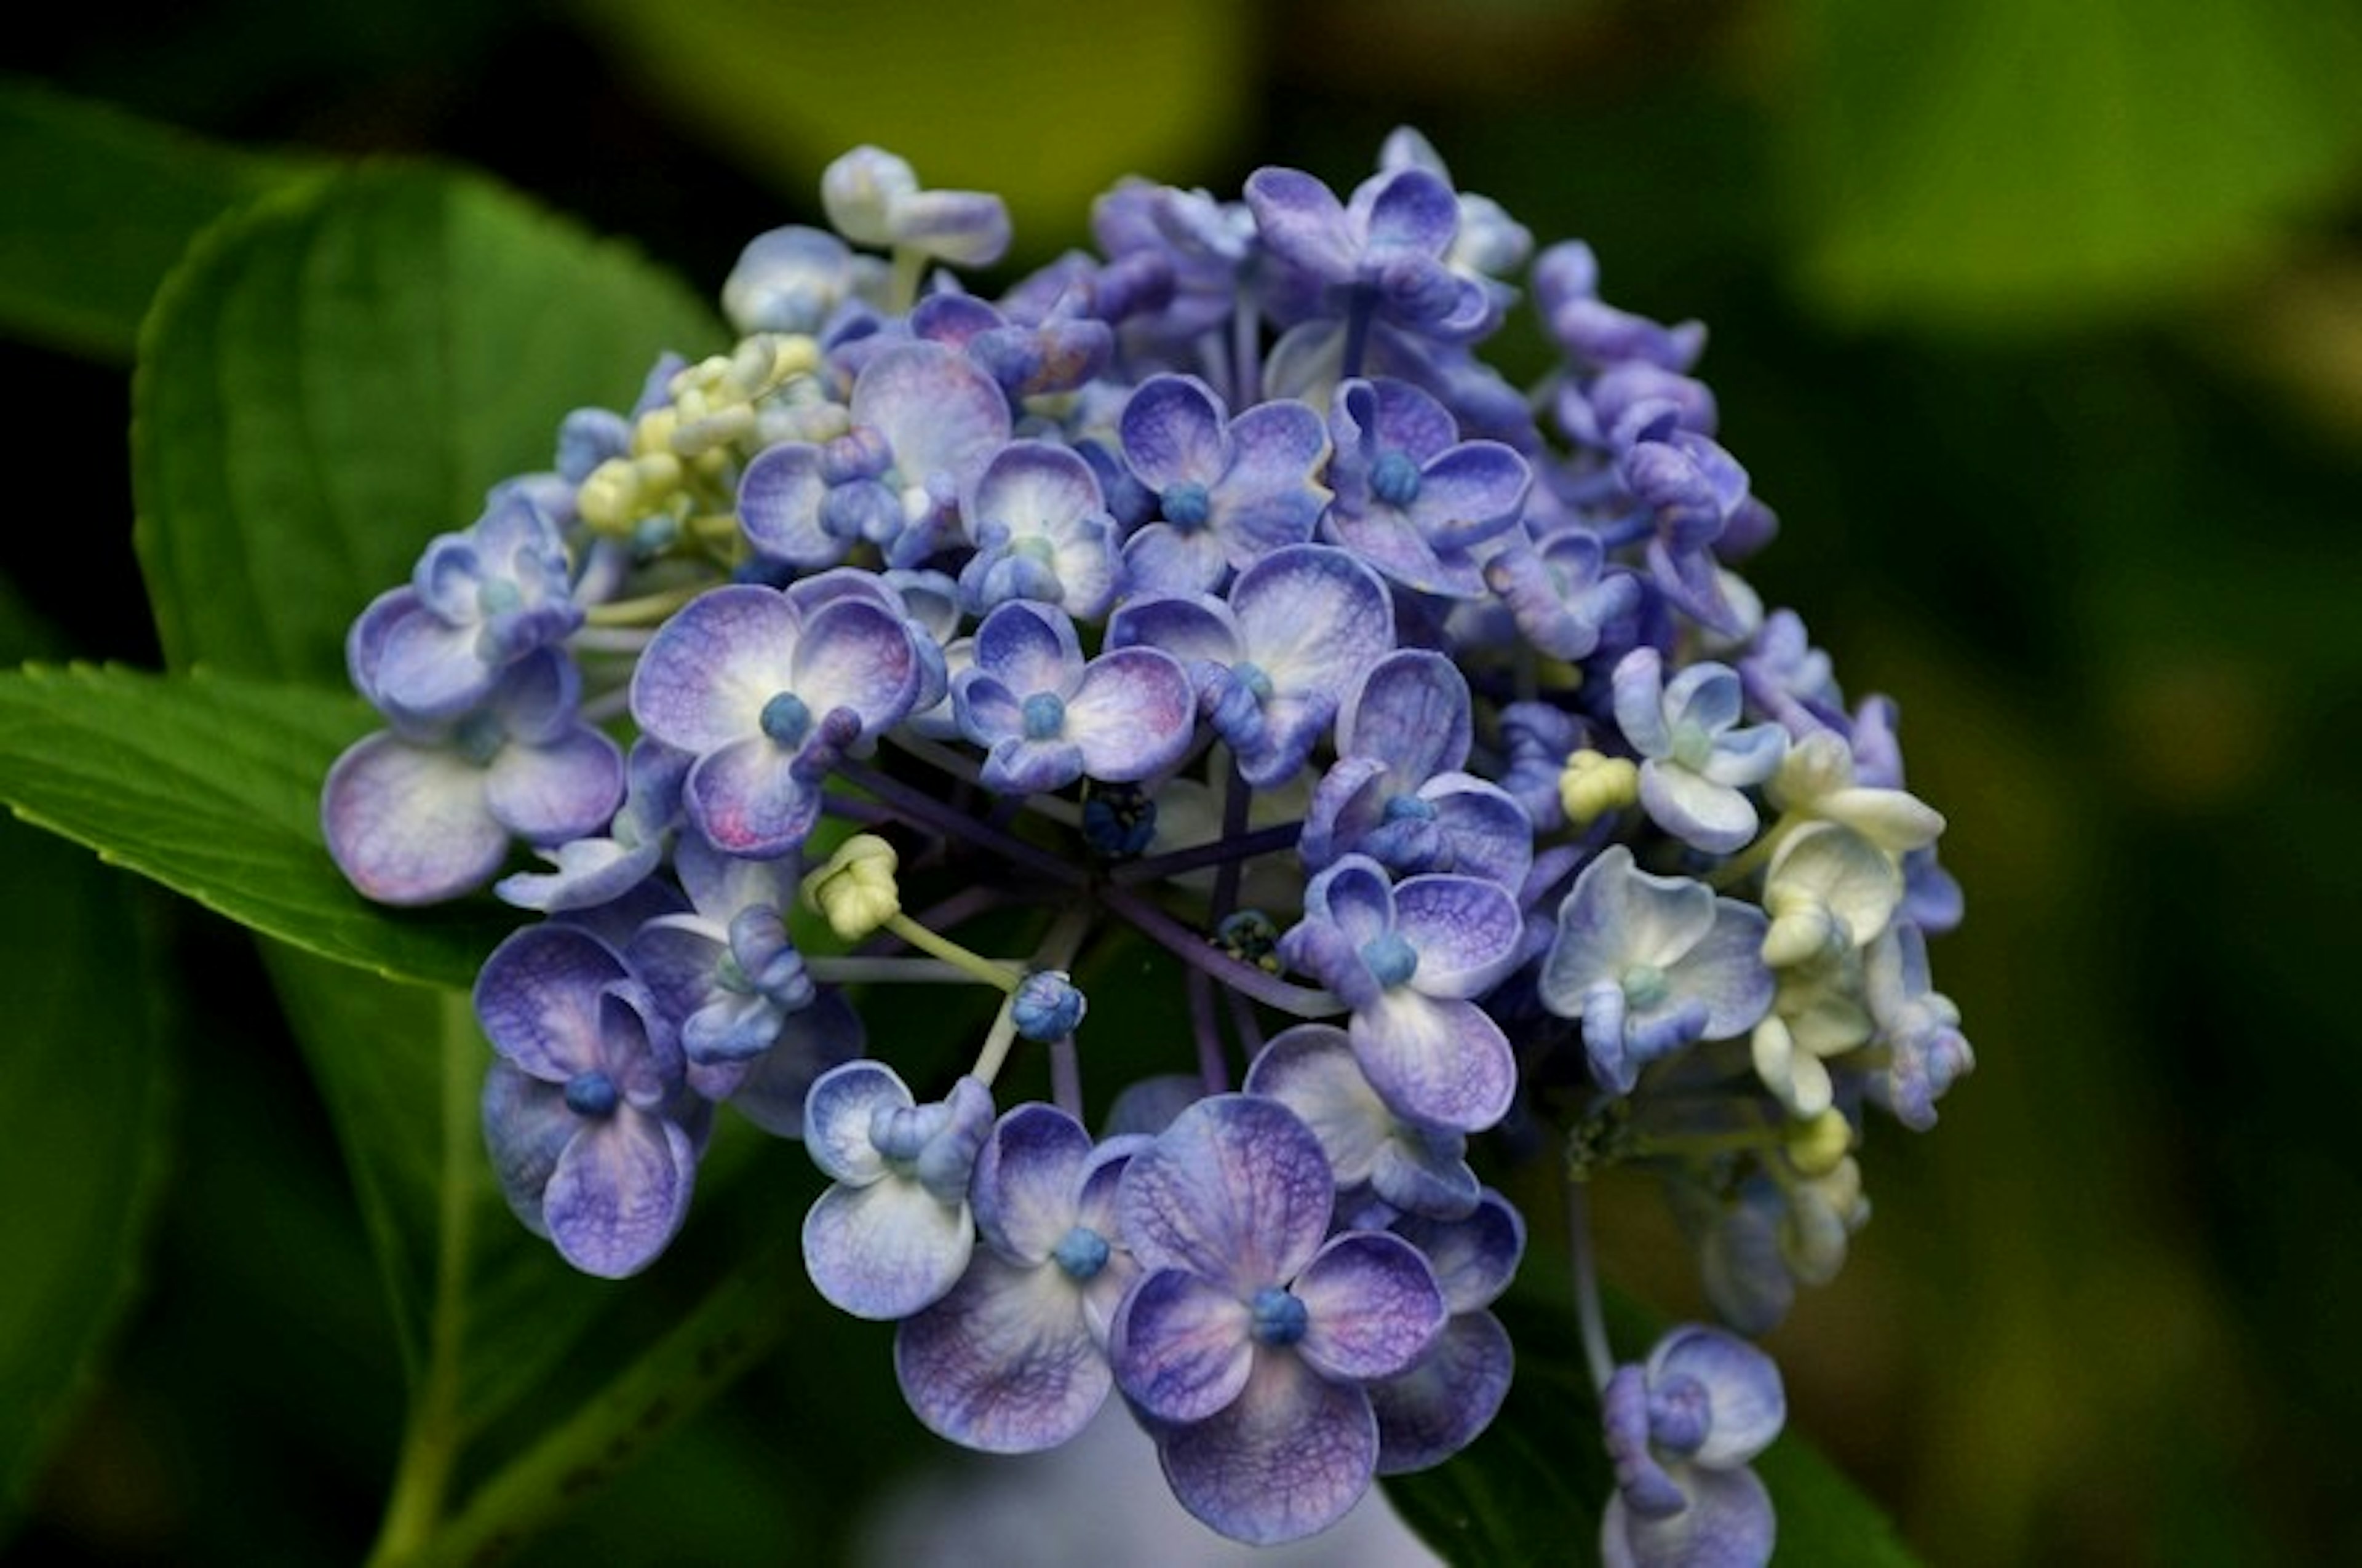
<point x="1180" y="1345"/>
<point x="887" y="1250"/>
<point x="619" y="1193"/>
<point x="1439" y="1406"/>
<point x="1374" y="1306"/>
<point x="408" y="823"/>
<point x="1235" y="1190"/>
<point x="1005" y="1363"/>
<point x="1287" y="1458"/>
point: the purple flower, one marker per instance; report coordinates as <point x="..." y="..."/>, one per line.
<point x="590" y="872"/>
<point x="794" y="278"/>
<point x="726" y="970"/>
<point x="1650" y="963"/>
<point x="1414" y="1166"/>
<point x="1680" y="1429"/>
<point x="895" y="1232"/>
<point x="1249" y="1341"/>
<point x="479" y="603"/>
<point x="1379" y="257"/>
<point x="1409" y="959"/>
<point x="1048" y="718"/>
<point x="593" y="1138"/>
<point x="427" y="812"/>
<point x="1396" y="793"/>
<point x="1228" y="491"/>
<point x="768" y="696"/>
<point x="1042" y="532"/>
<point x="1300" y="626"/>
<point x="1919" y="1026"/>
<point x="874" y="198"/>
<point x="1014" y="1358"/>
<point x="1413" y="499"/>
<point x="1696" y="758"/>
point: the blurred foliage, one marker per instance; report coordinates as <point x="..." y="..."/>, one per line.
<point x="2036" y="324"/>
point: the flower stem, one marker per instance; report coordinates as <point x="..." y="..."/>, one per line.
<point x="1601" y="1359"/>
<point x="1298" y="1001"/>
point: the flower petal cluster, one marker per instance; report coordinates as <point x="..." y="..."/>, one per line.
<point x="1260" y="717"/>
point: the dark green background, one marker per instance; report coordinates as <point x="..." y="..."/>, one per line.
<point x="2041" y="326"/>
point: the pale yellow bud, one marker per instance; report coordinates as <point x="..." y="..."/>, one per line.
<point x="854" y="891"/>
<point x="1592" y="785"/>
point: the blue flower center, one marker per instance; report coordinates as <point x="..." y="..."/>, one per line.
<point x="479" y="738"/>
<point x="1045" y="716"/>
<point x="1681" y="1413"/>
<point x="1279" y="1319"/>
<point x="1187" y="504"/>
<point x="1692" y="747"/>
<point x="1081" y="1252"/>
<point x="1410" y="809"/>
<point x="1251" y="675"/>
<point x="1391" y="959"/>
<point x="497" y="596"/>
<point x="787" y="720"/>
<point x="1394" y="477"/>
<point x="591" y="1094"/>
<point x="1645" y="985"/>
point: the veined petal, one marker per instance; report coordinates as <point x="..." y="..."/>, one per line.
<point x="1412" y="709"/>
<point x="1312" y="618"/>
<point x="549" y="794"/>
<point x="1473" y="1257"/>
<point x="408" y="823"/>
<point x="704" y="678"/>
<point x="1432" y="1411"/>
<point x="1311" y="1068"/>
<point x="838" y="1114"/>
<point x="526" y="1126"/>
<point x="1004" y="1364"/>
<point x="539" y="997"/>
<point x="620" y="1191"/>
<point x="1181" y="1346"/>
<point x="779" y="498"/>
<point x="1725" y="971"/>
<point x="751" y="798"/>
<point x="1287" y="1458"/>
<point x="1436" y="1060"/>
<point x="1196" y="628"/>
<point x="1171" y="429"/>
<point x="884" y="1251"/>
<point x="1134" y="715"/>
<point x="1373" y="1307"/>
<point x="940" y="412"/>
<point x="855" y="654"/>
<point x="1029" y="649"/>
<point x="1467" y="931"/>
<point x="1028" y="1178"/>
<point x="1236" y="1190"/>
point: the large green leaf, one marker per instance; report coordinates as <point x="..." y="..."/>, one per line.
<point x="211" y="785"/>
<point x="1988" y="159"/>
<point x="337" y="374"/>
<point x="1532" y="1488"/>
<point x="82" y="1124"/>
<point x="99" y="207"/>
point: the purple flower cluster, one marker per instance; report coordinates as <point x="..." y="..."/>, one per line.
<point x="1210" y="596"/>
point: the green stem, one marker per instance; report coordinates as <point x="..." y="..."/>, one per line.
<point x="430" y="1445"/>
<point x="740" y="1321"/>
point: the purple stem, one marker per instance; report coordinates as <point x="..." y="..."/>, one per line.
<point x="922" y="810"/>
<point x="1298" y="1001"/>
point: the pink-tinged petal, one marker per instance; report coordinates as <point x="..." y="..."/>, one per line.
<point x="1134" y="715"/>
<point x="1466" y="930"/>
<point x="852" y="654"/>
<point x="1727" y="1524"/>
<point x="752" y="798"/>
<point x="1372" y="1305"/>
<point x="1181" y="1347"/>
<point x="1005" y="1363"/>
<point x="1286" y="1459"/>
<point x="1028" y="649"/>
<point x="1444" y="1403"/>
<point x="940" y="414"/>
<point x="539" y="998"/>
<point x="1172" y="430"/>
<point x="884" y="1251"/>
<point x="1028" y="1176"/>
<point x="779" y="498"/>
<point x="550" y="794"/>
<point x="1236" y="1190"/>
<point x="619" y="1193"/>
<point x="1436" y="1060"/>
<point x="409" y="825"/>
<point x="705" y="676"/>
<point x="1311" y="1068"/>
<point x="1412" y="709"/>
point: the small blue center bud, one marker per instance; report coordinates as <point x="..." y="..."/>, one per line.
<point x="1045" y="716"/>
<point x="785" y="720"/>
<point x="479" y="738"/>
<point x="1187" y="505"/>
<point x="1279" y="1319"/>
<point x="1036" y="547"/>
<point x="1391" y="960"/>
<point x="1394" y="477"/>
<point x="1410" y="809"/>
<point x="1250" y="674"/>
<point x="499" y="596"/>
<point x="591" y="1094"/>
<point x="1645" y="985"/>
<point x="1081" y="1252"/>
<point x="1047" y="1007"/>
<point x="1691" y="746"/>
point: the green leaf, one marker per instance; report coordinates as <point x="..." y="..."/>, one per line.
<point x="338" y="374"/>
<point x="1981" y="160"/>
<point x="83" y="1133"/>
<point x="211" y="786"/>
<point x="1532" y="1488"/>
<point x="99" y="207"/>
